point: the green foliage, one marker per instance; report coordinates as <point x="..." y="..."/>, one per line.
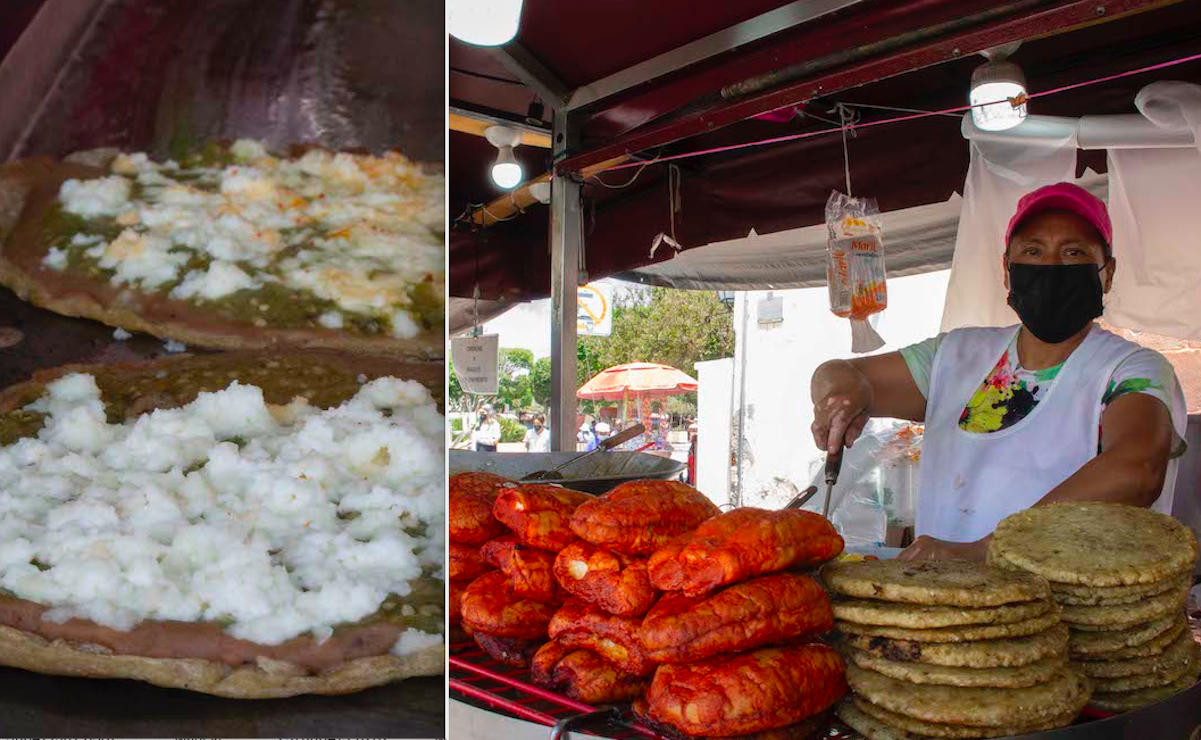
<point x="515" y="361"/>
<point x="684" y="405"/>
<point x="514" y="390"/>
<point x="674" y="327"/>
<point x="456" y="425"/>
<point x="511" y="430"/>
<point x="540" y="382"/>
<point x="456" y="390"/>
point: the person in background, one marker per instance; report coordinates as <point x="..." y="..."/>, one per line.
<point x="586" y="437"/>
<point x="602" y="432"/>
<point x="487" y="432"/>
<point x="537" y="438"/>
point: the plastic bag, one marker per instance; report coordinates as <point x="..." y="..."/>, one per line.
<point x="855" y="266"/>
<point x="898" y="468"/>
<point x="876" y="488"/>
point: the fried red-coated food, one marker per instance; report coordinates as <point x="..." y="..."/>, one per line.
<point x="584" y="676"/>
<point x="490" y="606"/>
<point x="742" y="544"/>
<point x="464" y="562"/>
<point x="762" y="611"/>
<point x="455" y="613"/>
<point x="510" y="651"/>
<point x="663" y="566"/>
<point x="470" y="507"/>
<point x="539" y="514"/>
<point x="811" y="728"/>
<point x="639" y="517"/>
<point x="495" y="552"/>
<point x="615" y="639"/>
<point x="727" y="696"/>
<point x="616" y="583"/>
<point x="530" y="572"/>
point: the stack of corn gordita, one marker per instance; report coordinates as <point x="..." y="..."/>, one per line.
<point x="1121" y="575"/>
<point x="951" y="649"/>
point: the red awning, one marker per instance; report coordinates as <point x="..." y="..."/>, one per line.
<point x="645" y="379"/>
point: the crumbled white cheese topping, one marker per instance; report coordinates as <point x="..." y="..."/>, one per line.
<point x="370" y="228"/>
<point x="167" y="517"/>
<point x="173" y="347"/>
<point x="120" y="334"/>
<point x="104" y="196"/>
<point x="412" y="640"/>
<point x="220" y="279"/>
<point x="55" y="258"/>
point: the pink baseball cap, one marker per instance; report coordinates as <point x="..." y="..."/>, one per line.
<point x="1064" y="196"/>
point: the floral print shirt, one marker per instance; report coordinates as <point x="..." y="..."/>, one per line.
<point x="1010" y="392"/>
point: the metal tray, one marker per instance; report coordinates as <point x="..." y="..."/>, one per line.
<point x="595" y="474"/>
<point x="144" y="74"/>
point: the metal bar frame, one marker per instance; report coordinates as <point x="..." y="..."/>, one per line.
<point x="533" y="73"/>
<point x="566" y="248"/>
<point x="495" y="117"/>
<point x="1021" y="24"/>
<point x="753" y="29"/>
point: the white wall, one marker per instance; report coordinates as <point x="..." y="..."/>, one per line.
<point x="780" y="360"/>
<point x="713" y="407"/>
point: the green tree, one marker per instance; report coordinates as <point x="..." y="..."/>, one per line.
<point x="515" y="389"/>
<point x="674" y="327"/>
<point x="456" y="390"/>
<point x="540" y="382"/>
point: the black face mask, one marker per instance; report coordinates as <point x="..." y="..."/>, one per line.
<point x="1055" y="301"/>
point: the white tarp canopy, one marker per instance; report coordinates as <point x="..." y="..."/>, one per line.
<point x="916" y="240"/>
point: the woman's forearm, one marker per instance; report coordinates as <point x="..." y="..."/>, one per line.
<point x="1115" y="476"/>
<point x="835" y="376"/>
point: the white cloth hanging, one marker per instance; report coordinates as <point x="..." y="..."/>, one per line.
<point x="1153" y="202"/>
<point x="999" y="174"/>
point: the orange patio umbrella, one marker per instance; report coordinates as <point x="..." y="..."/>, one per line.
<point x="642" y="380"/>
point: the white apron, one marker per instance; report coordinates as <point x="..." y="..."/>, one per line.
<point x="971" y="481"/>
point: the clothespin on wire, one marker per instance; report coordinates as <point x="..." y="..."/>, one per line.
<point x="674" y="205"/>
<point x="847" y="117"/>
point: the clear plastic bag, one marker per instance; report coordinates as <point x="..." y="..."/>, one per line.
<point x="876" y="487"/>
<point x="898" y="473"/>
<point x="855" y="266"/>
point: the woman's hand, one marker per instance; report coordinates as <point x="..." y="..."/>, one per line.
<point x="841" y="396"/>
<point x="929" y="548"/>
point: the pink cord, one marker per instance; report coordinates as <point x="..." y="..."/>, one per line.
<point x="899" y="119"/>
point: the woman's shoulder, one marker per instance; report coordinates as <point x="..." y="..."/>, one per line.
<point x="1128" y="349"/>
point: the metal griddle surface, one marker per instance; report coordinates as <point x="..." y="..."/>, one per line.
<point x="143" y="75"/>
<point x="32" y="705"/>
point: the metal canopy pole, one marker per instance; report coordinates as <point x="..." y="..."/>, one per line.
<point x="566" y="246"/>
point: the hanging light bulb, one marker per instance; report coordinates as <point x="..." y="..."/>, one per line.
<point x="506" y="172"/>
<point x="996" y="83"/>
<point x="483" y="22"/>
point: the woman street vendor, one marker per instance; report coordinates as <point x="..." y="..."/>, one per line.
<point x="1053" y="409"/>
